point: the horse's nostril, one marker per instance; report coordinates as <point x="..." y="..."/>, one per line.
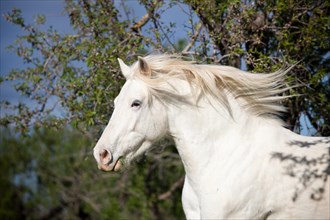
<point x="105" y="157"/>
<point x="103" y="153"/>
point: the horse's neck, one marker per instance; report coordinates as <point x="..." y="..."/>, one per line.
<point x="207" y="138"/>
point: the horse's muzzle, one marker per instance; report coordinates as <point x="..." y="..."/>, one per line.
<point x="106" y="161"/>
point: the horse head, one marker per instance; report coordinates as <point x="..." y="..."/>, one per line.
<point x="138" y="120"/>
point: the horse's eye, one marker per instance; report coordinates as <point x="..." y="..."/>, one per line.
<point x="136" y="104"/>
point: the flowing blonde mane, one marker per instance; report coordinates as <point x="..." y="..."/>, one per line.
<point x="260" y="92"/>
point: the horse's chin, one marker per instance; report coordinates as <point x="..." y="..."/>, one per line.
<point x="118" y="165"/>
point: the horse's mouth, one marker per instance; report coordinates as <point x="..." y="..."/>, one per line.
<point x="115" y="167"/>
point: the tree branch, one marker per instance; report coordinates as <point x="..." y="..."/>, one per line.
<point x="138" y="25"/>
<point x="145" y="18"/>
<point x="176" y="185"/>
<point x="193" y="39"/>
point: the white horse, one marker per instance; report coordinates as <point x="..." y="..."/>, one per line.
<point x="240" y="162"/>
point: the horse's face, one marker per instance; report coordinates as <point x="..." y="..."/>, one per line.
<point x="134" y="125"/>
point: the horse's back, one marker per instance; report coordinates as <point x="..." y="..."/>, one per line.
<point x="305" y="164"/>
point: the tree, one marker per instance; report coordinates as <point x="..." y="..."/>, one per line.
<point x="81" y="72"/>
<point x="261" y="35"/>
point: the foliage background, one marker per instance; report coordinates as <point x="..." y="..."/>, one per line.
<point x="47" y="169"/>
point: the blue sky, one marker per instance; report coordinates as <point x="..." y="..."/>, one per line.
<point x="9" y="60"/>
<point x="55" y="17"/>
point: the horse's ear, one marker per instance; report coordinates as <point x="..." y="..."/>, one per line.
<point x="144" y="67"/>
<point x="125" y="70"/>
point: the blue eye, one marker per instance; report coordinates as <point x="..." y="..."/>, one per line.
<point x="136" y="104"/>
